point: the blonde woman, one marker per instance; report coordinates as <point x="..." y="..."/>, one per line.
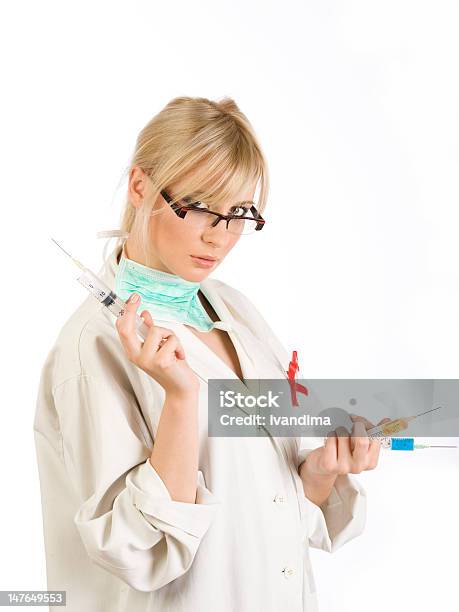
<point x="143" y="510"/>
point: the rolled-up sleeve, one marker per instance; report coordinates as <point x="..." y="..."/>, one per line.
<point x="341" y="517"/>
<point x="127" y="520"/>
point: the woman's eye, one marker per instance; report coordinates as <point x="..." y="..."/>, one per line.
<point x="242" y="211"/>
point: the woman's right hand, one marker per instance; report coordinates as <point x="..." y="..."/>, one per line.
<point x="164" y="361"/>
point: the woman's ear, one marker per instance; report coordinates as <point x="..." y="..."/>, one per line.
<point x="137" y="186"/>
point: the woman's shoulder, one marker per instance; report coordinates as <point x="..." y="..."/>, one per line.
<point x="86" y="345"/>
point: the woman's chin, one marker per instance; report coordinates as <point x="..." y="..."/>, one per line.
<point x="197" y="271"/>
<point x="195" y="276"/>
<point x="193" y="271"/>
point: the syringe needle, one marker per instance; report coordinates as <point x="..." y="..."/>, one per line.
<point x="415" y="416"/>
<point x="431" y="410"/>
<point x="61" y="247"/>
<point x="79" y="264"/>
<point x="434" y="446"/>
<point x="443" y="446"/>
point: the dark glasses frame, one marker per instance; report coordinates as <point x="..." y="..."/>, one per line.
<point x="181" y="210"/>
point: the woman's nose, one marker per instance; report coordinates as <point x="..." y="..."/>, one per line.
<point x="217" y="235"/>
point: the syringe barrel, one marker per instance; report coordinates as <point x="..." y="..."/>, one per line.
<point x="402" y="444"/>
<point x="108" y="298"/>
<point x="388" y="429"/>
<point x="94" y="285"/>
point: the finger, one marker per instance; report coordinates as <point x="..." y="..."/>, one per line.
<point x="180" y="353"/>
<point x="146" y="316"/>
<point x="344" y="450"/>
<point x="154" y="337"/>
<point x="368" y="424"/>
<point x="168" y="345"/>
<point x="360" y="444"/>
<point x="172" y="344"/>
<point x="125" y="324"/>
<point x="329" y="458"/>
<point x="373" y="454"/>
<point x="357" y="418"/>
<point x="330" y="453"/>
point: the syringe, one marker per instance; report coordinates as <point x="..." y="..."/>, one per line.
<point x="408" y="444"/>
<point x="392" y="427"/>
<point x="385" y="431"/>
<point x="104" y="294"/>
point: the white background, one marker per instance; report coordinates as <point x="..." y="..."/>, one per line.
<point x="355" y="105"/>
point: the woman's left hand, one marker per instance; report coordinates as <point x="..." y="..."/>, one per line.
<point x="343" y="453"/>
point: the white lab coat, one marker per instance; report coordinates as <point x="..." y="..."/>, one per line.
<point x="114" y="538"/>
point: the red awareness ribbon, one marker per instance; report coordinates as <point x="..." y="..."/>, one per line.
<point x="295" y="386"/>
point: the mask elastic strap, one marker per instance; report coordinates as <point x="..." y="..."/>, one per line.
<point x="110" y="234"/>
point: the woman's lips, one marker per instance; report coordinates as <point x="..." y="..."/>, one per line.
<point x="203" y="263"/>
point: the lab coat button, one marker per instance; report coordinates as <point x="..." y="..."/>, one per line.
<point x="288" y="572"/>
<point x="279" y="499"/>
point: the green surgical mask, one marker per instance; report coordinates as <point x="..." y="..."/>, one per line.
<point x="167" y="296"/>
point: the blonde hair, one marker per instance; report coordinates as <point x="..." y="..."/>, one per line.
<point x="209" y="145"/>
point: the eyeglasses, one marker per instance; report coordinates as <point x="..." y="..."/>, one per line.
<point x="200" y="217"/>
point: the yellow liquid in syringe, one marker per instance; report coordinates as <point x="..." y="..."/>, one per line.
<point x="393" y="427"/>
